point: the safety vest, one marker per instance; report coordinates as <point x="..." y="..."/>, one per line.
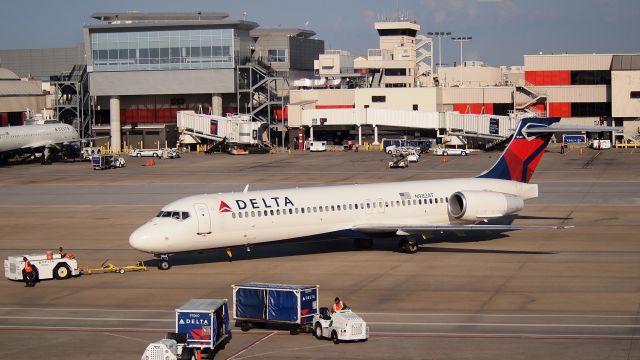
<point x="337" y="307"/>
<point x="27" y="266"/>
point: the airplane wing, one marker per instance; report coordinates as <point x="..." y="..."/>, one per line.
<point x="417" y="229"/>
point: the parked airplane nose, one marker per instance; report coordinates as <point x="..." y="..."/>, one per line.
<point x="141" y="240"/>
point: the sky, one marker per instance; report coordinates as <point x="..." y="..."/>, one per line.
<point x="502" y="30"/>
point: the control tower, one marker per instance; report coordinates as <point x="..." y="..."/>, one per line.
<point x="404" y="58"/>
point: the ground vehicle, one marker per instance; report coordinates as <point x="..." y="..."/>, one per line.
<point x="172" y="153"/>
<point x="202" y="329"/>
<point x="343" y="325"/>
<point x="88" y="152"/>
<point x="107" y="161"/>
<point x="145" y="152"/>
<point x="315" y="146"/>
<point x="46" y="266"/>
<point x="451" y="151"/>
<point x="399" y="162"/>
<point x="261" y="303"/>
<point x="600" y="144"/>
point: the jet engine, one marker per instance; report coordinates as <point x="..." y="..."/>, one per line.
<point x="472" y="206"/>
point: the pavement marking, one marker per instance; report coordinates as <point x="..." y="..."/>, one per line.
<point x="503" y="324"/>
<point x="83" y="309"/>
<point x="127" y="337"/>
<point x="252" y="345"/>
<point x="82" y="319"/>
<point x="501" y="315"/>
<point x="284" y="350"/>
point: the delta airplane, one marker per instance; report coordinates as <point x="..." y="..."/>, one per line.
<point x="409" y="210"/>
<point x="28" y="139"/>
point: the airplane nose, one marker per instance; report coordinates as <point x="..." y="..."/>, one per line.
<point x="141" y="240"/>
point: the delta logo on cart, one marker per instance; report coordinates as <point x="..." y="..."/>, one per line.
<point x="224" y="208"/>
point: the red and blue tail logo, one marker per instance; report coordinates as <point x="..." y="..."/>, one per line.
<point x="521" y="157"/>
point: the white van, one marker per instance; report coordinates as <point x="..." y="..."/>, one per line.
<point x="317" y="146"/>
<point x="600" y="144"/>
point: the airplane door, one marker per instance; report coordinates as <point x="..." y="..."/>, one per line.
<point x="204" y="220"/>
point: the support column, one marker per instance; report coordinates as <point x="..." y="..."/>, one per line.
<point x="311" y="133"/>
<point x="114" y="122"/>
<point x="359" y="135"/>
<point x="216" y="104"/>
<point x="375" y="135"/>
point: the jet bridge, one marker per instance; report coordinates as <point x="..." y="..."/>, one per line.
<point x="233" y="129"/>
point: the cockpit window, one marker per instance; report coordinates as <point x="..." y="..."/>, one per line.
<point x="178" y="215"/>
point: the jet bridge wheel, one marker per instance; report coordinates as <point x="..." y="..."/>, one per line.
<point x="408" y="245"/>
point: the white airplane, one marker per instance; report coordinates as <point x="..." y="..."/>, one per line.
<point x="46" y="139"/>
<point x="410" y="209"/>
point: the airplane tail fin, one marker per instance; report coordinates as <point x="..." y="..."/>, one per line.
<point x="521" y="157"/>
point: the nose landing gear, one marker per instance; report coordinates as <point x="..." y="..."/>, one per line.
<point x="164" y="263"/>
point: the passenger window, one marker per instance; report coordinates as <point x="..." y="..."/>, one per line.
<point x="253" y="214"/>
<point x="338" y="207"/>
<point x="302" y="210"/>
<point x="415" y="202"/>
<point x="436" y="200"/>
<point x="309" y="210"/>
<point x="233" y="215"/>
<point x="397" y="202"/>
<point x="446" y="200"/>
<point x="296" y="210"/>
<point x="374" y="205"/>
<point x="185" y="215"/>
<point x="315" y="209"/>
<point x="240" y="215"/>
<point x="320" y="208"/>
<point x="278" y="211"/>
<point x="259" y="213"/>
<point x="271" y="211"/>
<point x="430" y="201"/>
<point x="290" y="211"/>
<point x="403" y="203"/>
<point x="356" y="205"/>
<point x="333" y="208"/>
<point x="246" y="214"/>
<point x="380" y="204"/>
<point x="266" y="213"/>
<point x="368" y="205"/>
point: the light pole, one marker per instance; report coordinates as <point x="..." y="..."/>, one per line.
<point x="439" y="34"/>
<point x="461" y="40"/>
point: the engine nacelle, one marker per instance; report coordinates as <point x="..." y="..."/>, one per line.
<point x="479" y="205"/>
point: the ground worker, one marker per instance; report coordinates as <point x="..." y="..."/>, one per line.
<point x="64" y="254"/>
<point x="28" y="274"/>
<point x="337" y="305"/>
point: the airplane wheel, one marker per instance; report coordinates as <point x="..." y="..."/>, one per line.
<point x="408" y="246"/>
<point x="317" y="331"/>
<point x="164" y="265"/>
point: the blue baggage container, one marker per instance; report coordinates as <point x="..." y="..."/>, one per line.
<point x="274" y="303"/>
<point x="204" y="323"/>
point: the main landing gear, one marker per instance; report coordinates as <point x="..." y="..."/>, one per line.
<point x="408" y="244"/>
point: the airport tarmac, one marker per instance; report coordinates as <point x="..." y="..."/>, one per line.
<point x="564" y="294"/>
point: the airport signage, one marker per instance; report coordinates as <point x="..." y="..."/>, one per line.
<point x="494" y="126"/>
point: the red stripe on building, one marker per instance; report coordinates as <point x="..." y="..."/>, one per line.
<point x="560" y="109"/>
<point x="542" y="78"/>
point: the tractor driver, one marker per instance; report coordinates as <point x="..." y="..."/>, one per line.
<point x="337" y="305"/>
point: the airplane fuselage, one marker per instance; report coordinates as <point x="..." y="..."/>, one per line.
<point x="231" y="219"/>
<point x="15" y="138"/>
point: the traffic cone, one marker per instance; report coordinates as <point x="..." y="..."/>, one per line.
<point x="581" y="151"/>
<point x="150" y="162"/>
